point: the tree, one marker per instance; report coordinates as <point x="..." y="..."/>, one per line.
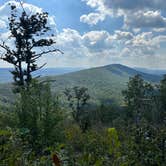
<point x="78" y="98"/>
<point x="38" y="115"/>
<point x="133" y="97"/>
<point x="37" y="112"/>
<point x="141" y="99"/>
<point x="27" y="32"/>
<point x="146" y="105"/>
<point x="162" y="117"/>
<point x="162" y="89"/>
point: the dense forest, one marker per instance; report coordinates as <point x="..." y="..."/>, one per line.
<point x="39" y="129"/>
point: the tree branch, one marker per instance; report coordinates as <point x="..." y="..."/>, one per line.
<point x="5" y="47"/>
<point x="46" y="52"/>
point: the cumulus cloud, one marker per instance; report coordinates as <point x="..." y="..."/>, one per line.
<point x="100" y="47"/>
<point x="92" y="47"/>
<point x="92" y="18"/>
<point x="136" y="13"/>
<point x="95" y="17"/>
<point x="123" y="35"/>
<point x="135" y="4"/>
<point x="149" y="19"/>
<point x="69" y="37"/>
<point x="143" y="44"/>
<point x="5" y="12"/>
<point x="97" y="41"/>
<point x="88" y="44"/>
<point x="94" y="3"/>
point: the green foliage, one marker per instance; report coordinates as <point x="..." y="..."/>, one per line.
<point x="11" y="148"/>
<point x="114" y="147"/>
<point x="107" y="114"/>
<point x="39" y="113"/>
<point x="78" y="101"/>
<point x="162" y="111"/>
<point x="36" y="132"/>
<point x="140" y="98"/>
<point x="146" y="104"/>
<point x="8" y="119"/>
<point x="95" y="147"/>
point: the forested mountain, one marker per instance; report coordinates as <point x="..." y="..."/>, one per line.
<point x="104" y="83"/>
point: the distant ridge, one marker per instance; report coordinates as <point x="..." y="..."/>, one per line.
<point x="105" y="83"/>
<point x="6" y="76"/>
<point x="152" y="71"/>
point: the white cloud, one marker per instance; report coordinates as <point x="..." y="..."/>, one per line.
<point x="5" y="12"/>
<point x="135" y="4"/>
<point x="147" y="19"/>
<point x="92" y="18"/>
<point x="97" y="41"/>
<point x="94" y="3"/>
<point x="2" y="24"/>
<point x="95" y="17"/>
<point x="137" y="13"/>
<point x="160" y="30"/>
<point x="123" y="35"/>
<point x="100" y="47"/>
<point x="68" y="38"/>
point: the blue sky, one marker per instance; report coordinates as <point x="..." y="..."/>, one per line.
<point x="68" y="13"/>
<point x="100" y="32"/>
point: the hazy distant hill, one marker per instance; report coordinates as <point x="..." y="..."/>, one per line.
<point x="104" y="83"/>
<point x="152" y="71"/>
<point x="5" y="75"/>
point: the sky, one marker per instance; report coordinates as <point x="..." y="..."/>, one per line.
<point x="101" y="32"/>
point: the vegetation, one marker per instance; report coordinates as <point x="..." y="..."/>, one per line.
<point x="104" y="83"/>
<point x="37" y="130"/>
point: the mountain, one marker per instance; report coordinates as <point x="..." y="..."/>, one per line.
<point x="104" y="83"/>
<point x="151" y="71"/>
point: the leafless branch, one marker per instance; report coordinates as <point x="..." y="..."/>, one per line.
<point x="46" y="52"/>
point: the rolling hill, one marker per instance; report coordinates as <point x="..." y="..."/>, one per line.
<point x="104" y="83"/>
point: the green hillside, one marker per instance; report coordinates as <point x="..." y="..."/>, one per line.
<point x="104" y="83"/>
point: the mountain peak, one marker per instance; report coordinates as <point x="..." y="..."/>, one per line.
<point x="118" y="67"/>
